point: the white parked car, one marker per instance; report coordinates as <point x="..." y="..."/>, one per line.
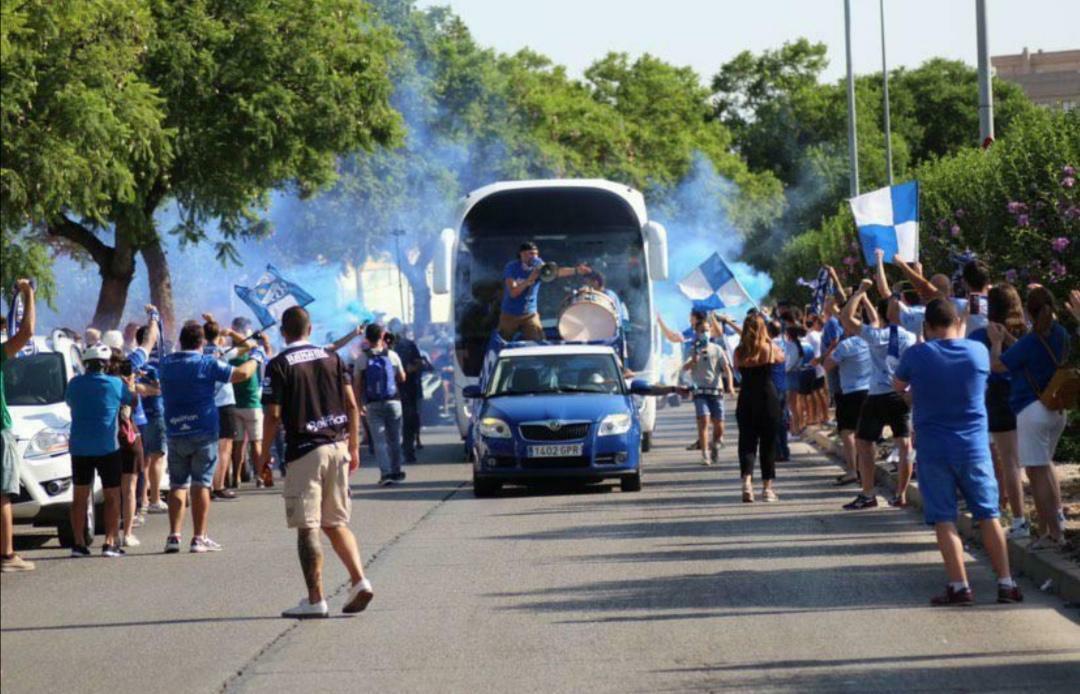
<point x="34" y="385"/>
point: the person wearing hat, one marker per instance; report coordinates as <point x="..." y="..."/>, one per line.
<point x="95" y="399"/>
<point x="519" y="311"/>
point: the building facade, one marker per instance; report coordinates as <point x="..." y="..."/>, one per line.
<point x="1049" y="79"/>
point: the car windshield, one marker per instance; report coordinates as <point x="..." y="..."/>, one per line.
<point x="37" y="379"/>
<point x="556" y="373"/>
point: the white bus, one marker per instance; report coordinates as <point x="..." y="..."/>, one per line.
<point x="597" y="222"/>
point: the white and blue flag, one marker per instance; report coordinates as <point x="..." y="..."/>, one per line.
<point x="271" y="296"/>
<point x="712" y="285"/>
<point x="888" y="218"/>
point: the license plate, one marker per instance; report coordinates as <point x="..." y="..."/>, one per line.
<point x="559" y="450"/>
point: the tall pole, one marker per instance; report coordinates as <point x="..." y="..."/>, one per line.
<point x="885" y="84"/>
<point x="852" y="139"/>
<point x="986" y="93"/>
<point x="398" y="233"/>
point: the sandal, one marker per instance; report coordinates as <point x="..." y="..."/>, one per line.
<point x="748" y="496"/>
<point x="769" y="496"/>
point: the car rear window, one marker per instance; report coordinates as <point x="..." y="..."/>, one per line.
<point x="36" y="379"/>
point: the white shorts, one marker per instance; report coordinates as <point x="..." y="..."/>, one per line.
<point x="1037" y="433"/>
<point x="249" y="422"/>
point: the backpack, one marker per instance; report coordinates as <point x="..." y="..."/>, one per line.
<point x="380" y="381"/>
<point x="1063" y="390"/>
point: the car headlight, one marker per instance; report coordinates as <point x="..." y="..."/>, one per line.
<point x="47" y="443"/>
<point x="494" y="428"/>
<point x="614" y="424"/>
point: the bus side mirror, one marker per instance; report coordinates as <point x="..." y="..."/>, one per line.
<point x="444" y="254"/>
<point x="656" y="241"/>
<point x="472" y="392"/>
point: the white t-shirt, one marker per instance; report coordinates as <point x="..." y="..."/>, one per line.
<point x="813" y="337"/>
<point x="361" y="363"/>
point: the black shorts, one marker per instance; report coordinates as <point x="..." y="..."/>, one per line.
<point x="819" y="383"/>
<point x="226" y="423"/>
<point x="848" y="407"/>
<point x="998" y="412"/>
<point x="107" y="466"/>
<point x="879" y="411"/>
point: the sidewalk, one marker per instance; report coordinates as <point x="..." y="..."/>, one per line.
<point x="1040" y="567"/>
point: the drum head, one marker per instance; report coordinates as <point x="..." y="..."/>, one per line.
<point x="586" y="320"/>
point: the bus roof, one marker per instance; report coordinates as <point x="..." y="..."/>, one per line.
<point x="632" y="196"/>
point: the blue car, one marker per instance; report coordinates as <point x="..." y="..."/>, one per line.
<point x="555" y="412"/>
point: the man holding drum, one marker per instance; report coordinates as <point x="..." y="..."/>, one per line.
<point x="519" y="307"/>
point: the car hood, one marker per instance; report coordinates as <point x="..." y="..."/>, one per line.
<point x="28" y="420"/>
<point x="575" y="406"/>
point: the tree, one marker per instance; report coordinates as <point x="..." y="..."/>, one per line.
<point x="253" y="96"/>
<point x="77" y="122"/>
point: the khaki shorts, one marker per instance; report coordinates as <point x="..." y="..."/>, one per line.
<point x="529" y="325"/>
<point x="247" y="421"/>
<point x="317" y="488"/>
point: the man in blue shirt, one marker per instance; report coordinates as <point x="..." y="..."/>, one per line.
<point x="947" y="376"/>
<point x="519" y="307"/>
<point x="188" y="381"/>
<point x="95" y="399"/>
<point x="153" y="431"/>
<point x="887" y="341"/>
<point x="850" y="360"/>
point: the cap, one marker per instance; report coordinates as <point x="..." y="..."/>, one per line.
<point x="113" y="338"/>
<point x="100" y="351"/>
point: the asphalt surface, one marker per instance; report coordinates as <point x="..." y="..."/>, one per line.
<point x="678" y="587"/>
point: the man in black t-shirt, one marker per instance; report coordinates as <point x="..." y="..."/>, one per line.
<point x="308" y="390"/>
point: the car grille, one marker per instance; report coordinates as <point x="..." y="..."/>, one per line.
<point x="567" y="432"/>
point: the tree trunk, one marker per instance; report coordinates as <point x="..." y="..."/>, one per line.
<point x="160" y="280"/>
<point x="416" y="273"/>
<point x="116" y="275"/>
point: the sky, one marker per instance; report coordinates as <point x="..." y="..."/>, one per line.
<point x="705" y="33"/>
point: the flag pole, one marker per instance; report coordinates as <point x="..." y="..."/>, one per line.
<point x="853" y="146"/>
<point x="885" y="85"/>
<point x="736" y="278"/>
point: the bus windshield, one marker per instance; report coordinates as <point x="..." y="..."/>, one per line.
<point x="596" y="232"/>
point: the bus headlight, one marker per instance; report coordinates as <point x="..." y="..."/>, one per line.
<point x="494" y="428"/>
<point x="47" y="443"/>
<point x="614" y="424"/>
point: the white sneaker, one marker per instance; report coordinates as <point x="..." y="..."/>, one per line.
<point x="201" y="545"/>
<point x="1020" y="529"/>
<point x="129" y="540"/>
<point x="705" y="459"/>
<point x="359" y="597"/>
<point x="305" y="610"/>
<point x="157" y="507"/>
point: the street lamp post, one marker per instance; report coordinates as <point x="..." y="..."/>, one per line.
<point x="853" y="144"/>
<point x="885" y="86"/>
<point x="986" y="93"/>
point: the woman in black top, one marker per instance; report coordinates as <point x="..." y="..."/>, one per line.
<point x="758" y="409"/>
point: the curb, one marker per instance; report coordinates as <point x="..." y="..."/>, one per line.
<point x="1040" y="567"/>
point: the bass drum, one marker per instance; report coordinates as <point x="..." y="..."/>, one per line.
<point x="588" y="315"/>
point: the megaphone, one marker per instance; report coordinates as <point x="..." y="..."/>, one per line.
<point x="549" y="272"/>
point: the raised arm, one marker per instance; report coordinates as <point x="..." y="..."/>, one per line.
<point x="670" y="334"/>
<point x="836" y="283"/>
<point x="345" y="339"/>
<point x="579" y="269"/>
<point x="849" y="315"/>
<point x="923" y="286"/>
<point x="152" y="332"/>
<point x="881" y="282"/>
<point x="26" y="329"/>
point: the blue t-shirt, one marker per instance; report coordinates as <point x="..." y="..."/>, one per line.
<point x="977" y="320"/>
<point x="188" y="381"/>
<point x="524" y="303"/>
<point x="982" y="336"/>
<point x="151" y="404"/>
<point x="885" y="353"/>
<point x="948" y="385"/>
<point x="95" y="400"/>
<point x="852" y="357"/>
<point x="832" y="332"/>
<point x="1028" y="360"/>
<point x="779" y="373"/>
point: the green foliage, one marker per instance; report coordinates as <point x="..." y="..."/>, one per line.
<point x="25" y="257"/>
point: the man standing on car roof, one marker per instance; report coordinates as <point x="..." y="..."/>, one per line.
<point x="9" y="453"/>
<point x="519" y="306"/>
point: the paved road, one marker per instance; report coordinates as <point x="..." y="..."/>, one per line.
<point x="679" y="587"/>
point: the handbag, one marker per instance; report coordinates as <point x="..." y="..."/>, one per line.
<point x="1063" y="390"/>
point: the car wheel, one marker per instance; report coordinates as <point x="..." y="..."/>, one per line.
<point x="646" y="442"/>
<point x="631" y="483"/>
<point x="483" y="489"/>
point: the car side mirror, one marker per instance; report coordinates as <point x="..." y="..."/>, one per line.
<point x="639" y="386"/>
<point x="472" y="392"/>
